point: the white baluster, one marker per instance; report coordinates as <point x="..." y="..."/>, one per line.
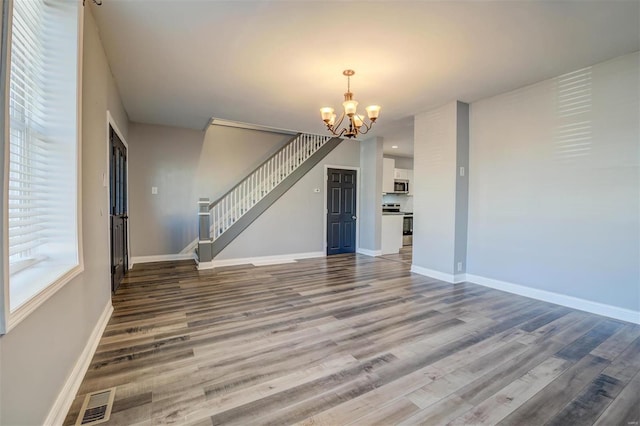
<point x="295" y="153"/>
<point x="213" y="221"/>
<point x="298" y="145"/>
<point x="279" y="162"/>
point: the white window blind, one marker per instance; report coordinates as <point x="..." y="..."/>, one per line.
<point x="42" y="193"/>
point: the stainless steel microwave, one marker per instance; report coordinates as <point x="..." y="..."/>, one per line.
<point x="401" y="186"/>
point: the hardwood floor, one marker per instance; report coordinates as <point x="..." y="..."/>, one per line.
<point x="405" y="255"/>
<point x="352" y="339"/>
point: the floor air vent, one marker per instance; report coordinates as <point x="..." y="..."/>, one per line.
<point x="96" y="407"/>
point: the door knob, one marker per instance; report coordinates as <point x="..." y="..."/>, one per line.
<point x="353" y="217"/>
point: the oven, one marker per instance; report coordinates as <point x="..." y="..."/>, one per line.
<point x="407" y="229"/>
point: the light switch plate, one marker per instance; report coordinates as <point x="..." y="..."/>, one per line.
<point x="154" y="190"/>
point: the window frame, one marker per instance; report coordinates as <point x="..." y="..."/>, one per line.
<point x="8" y="319"/>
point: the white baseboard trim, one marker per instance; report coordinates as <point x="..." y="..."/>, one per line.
<point x="190" y="247"/>
<point x="261" y="260"/>
<point x="459" y="278"/>
<point x="368" y="252"/>
<point x="610" y="311"/>
<point x="442" y="276"/>
<point x="204" y="265"/>
<point x="161" y="258"/>
<point x="66" y="396"/>
<point x="559" y="299"/>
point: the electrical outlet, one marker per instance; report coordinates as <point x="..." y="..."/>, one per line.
<point x="462" y="171"/>
<point x="459" y="266"/>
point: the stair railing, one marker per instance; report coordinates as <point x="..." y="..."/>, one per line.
<point x="236" y="202"/>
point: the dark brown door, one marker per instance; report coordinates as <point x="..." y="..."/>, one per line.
<point x="118" y="209"/>
<point x="341" y="211"/>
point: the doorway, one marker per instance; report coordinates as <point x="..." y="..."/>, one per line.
<point x="118" y="208"/>
<point x="341" y="211"/>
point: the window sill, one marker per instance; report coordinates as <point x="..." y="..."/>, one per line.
<point x="30" y="305"/>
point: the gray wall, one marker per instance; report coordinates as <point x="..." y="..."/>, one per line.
<point x="167" y="158"/>
<point x="294" y="223"/>
<point x="185" y="165"/>
<point x="554" y="188"/>
<point x="37" y="356"/>
<point x="229" y="154"/>
<point x="434" y="200"/>
<point x="371" y="194"/>
<point x="462" y="186"/>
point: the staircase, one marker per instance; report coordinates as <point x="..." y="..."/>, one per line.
<point x="222" y="220"/>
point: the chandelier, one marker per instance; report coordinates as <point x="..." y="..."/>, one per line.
<point x="356" y="124"/>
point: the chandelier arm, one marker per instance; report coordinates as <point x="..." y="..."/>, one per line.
<point x="367" y="128"/>
<point x="337" y="125"/>
<point x="330" y="128"/>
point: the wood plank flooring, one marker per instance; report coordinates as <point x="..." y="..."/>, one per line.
<point x="404" y="255"/>
<point x="351" y="339"/>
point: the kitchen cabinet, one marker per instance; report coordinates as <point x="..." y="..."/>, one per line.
<point x="388" y="167"/>
<point x="392" y="233"/>
<point x="402" y="174"/>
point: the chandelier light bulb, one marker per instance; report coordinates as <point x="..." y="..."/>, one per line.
<point x="326" y="113"/>
<point x="358" y="120"/>
<point x="373" y="111"/>
<point x="350" y="107"/>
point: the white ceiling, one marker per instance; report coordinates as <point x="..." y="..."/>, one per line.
<point x="275" y="63"/>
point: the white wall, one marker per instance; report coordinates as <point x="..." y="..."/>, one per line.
<point x="401" y="162"/>
<point x="295" y="222"/>
<point x="554" y="185"/>
<point x="37" y="356"/>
